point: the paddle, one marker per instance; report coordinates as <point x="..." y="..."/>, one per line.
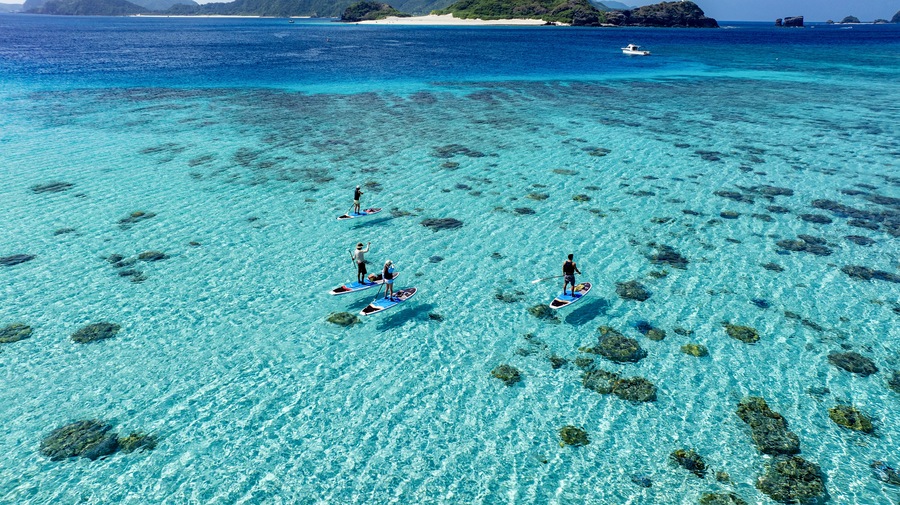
<point x="546" y="279"/>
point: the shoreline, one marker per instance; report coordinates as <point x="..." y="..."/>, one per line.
<point x="449" y="20"/>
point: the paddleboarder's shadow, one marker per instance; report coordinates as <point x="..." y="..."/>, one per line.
<point x="372" y="222"/>
<point x="586" y="313"/>
<point x="405" y="315"/>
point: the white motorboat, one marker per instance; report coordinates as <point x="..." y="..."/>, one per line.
<point x="634" y="50"/>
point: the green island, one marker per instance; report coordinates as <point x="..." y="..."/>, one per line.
<point x="370" y="11"/>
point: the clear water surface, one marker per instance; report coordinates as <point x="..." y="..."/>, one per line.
<point x="246" y="136"/>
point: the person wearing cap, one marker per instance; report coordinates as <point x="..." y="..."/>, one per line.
<point x="569" y="269"/>
<point x="387" y="273"/>
<point x="359" y="257"/>
<point x="356" y="195"/>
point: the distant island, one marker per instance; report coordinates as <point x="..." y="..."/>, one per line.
<point x="100" y="7"/>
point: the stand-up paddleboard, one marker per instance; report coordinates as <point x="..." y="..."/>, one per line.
<point x="353" y="287"/>
<point x="385" y="303"/>
<point x="565" y="300"/>
<point x="367" y="212"/>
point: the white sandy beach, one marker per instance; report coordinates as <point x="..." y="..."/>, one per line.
<point x="449" y="20"/>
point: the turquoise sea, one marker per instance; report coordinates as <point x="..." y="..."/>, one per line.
<point x="241" y="140"/>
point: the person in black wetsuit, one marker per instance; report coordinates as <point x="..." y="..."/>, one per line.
<point x="356" y="195"/>
<point x="569" y="269"/>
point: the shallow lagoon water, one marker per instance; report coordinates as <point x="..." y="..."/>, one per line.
<point x="246" y="136"/>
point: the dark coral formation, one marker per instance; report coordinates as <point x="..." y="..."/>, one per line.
<point x="690" y="461"/>
<point x="636" y="389"/>
<point x="650" y="331"/>
<point x="542" y="311"/>
<point x="697" y="350"/>
<point x="849" y="417"/>
<point x="791" y="479"/>
<point x="632" y="290"/>
<point x="510" y="375"/>
<point x="885" y="473"/>
<point x="95" y="332"/>
<point x="581" y="198"/>
<point x="805" y="243"/>
<point x="15" y="259"/>
<point x="342" y="319"/>
<point x="815" y="218"/>
<point x="571" y="435"/>
<point x="745" y="334"/>
<point x="667" y="255"/>
<point x="774" y="267"/>
<point x="894" y="381"/>
<point x="446" y="223"/>
<point x="768" y="428"/>
<point x="138" y="440"/>
<point x="863" y="273"/>
<point x="152" y="256"/>
<point x="52" y="187"/>
<point x="614" y="346"/>
<point x="135" y="217"/>
<point x="853" y="362"/>
<point x="89" y="439"/>
<point x="721" y="499"/>
<point x="735" y="195"/>
<point x="14" y="332"/>
<point x="451" y="150"/>
<point x="860" y="240"/>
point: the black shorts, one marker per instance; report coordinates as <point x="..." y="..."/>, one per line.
<point x="361" y="268"/>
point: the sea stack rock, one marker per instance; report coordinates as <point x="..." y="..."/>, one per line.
<point x="778" y="22"/>
<point x="794" y="21"/>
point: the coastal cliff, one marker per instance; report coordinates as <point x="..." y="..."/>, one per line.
<point x="664" y="15"/>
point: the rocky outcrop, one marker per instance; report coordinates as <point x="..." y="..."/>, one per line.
<point x="896" y="18"/>
<point x="850" y="19"/>
<point x="663" y="15"/>
<point x="793" y="22"/>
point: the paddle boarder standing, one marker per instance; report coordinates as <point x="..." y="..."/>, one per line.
<point x="569" y="269"/>
<point x="359" y="257"/>
<point x="387" y="273"/>
<point x="356" y="196"/>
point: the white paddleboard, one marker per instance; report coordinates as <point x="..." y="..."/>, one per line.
<point x="383" y="304"/>
<point x="562" y="300"/>
<point x="364" y="213"/>
<point x="353" y="287"/>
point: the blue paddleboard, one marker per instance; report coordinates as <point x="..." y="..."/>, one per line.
<point x="562" y="300"/>
<point x="367" y="212"/>
<point x="358" y="286"/>
<point x="382" y="304"/>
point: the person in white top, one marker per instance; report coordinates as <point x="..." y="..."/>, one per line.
<point x="360" y="259"/>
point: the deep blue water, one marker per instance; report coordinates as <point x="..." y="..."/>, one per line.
<point x="84" y="51"/>
<point x="766" y="158"/>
